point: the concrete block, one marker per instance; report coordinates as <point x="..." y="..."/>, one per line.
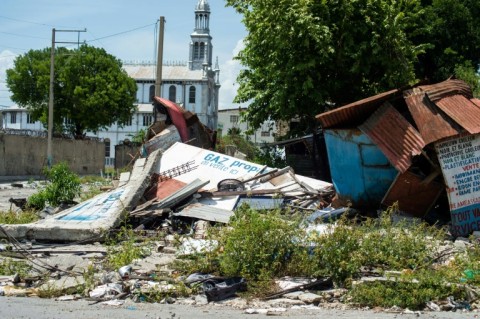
<point x="90" y="220"/>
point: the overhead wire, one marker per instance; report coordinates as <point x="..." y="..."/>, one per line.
<point x="120" y="33"/>
<point x="23" y="35"/>
<point x="37" y="23"/>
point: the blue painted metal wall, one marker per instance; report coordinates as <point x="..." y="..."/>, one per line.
<point x="360" y="171"/>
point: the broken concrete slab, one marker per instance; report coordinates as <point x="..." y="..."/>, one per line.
<point x="90" y="220"/>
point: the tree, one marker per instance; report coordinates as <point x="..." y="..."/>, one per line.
<point x="303" y="57"/>
<point x="91" y="89"/>
<point x="451" y="28"/>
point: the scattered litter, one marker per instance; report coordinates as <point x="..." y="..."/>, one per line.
<point x="114" y="303"/>
<point x="265" y="311"/>
<point x="108" y="291"/>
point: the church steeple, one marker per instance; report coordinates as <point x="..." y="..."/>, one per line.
<point x="201" y="44"/>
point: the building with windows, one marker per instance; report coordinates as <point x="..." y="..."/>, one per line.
<point x="193" y="84"/>
<point x="230" y="119"/>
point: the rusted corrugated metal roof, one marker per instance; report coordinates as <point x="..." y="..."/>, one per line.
<point x="432" y="123"/>
<point x="446" y="88"/>
<point x="461" y="110"/>
<point x="392" y="133"/>
<point x="355" y="113"/>
<point x="413" y="194"/>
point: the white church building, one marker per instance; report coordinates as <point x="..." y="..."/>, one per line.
<point x="194" y="85"/>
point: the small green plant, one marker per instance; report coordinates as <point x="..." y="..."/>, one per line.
<point x="412" y="290"/>
<point x="63" y="186"/>
<point x="9" y="267"/>
<point x="123" y="248"/>
<point x="258" y="245"/>
<point x="161" y="291"/>
<point x="18" y="217"/>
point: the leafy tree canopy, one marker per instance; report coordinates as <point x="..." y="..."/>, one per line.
<point x="303" y="57"/>
<point x="91" y="90"/>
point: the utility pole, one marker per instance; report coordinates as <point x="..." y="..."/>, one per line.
<point x="50" y="93"/>
<point x="158" y="80"/>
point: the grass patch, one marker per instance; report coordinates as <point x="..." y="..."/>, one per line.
<point x="9" y="267"/>
<point x="411" y="291"/>
<point x="123" y="248"/>
<point x="18" y="217"/>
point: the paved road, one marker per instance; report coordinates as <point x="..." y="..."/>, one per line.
<point x="11" y="307"/>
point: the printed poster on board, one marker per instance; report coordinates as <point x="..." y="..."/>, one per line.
<point x="460" y="163"/>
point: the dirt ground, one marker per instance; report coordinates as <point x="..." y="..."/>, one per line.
<point x="11" y="189"/>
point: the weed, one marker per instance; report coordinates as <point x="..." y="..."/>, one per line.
<point x="50" y="290"/>
<point x="9" y="267"/>
<point x="63" y="186"/>
<point x="411" y="291"/>
<point x="161" y="291"/>
<point x="257" y="246"/>
<point x="123" y="249"/>
<point x="18" y="217"/>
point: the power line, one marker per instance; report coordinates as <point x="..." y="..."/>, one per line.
<point x="37" y="23"/>
<point x="23" y="35"/>
<point x="120" y="33"/>
<point x="4" y="46"/>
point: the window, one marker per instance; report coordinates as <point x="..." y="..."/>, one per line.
<point x="233" y="118"/>
<point x="147" y="119"/>
<point x="107" y="147"/>
<point x="172" y="93"/>
<point x="30" y="119"/>
<point x="151" y="93"/>
<point x="202" y="50"/>
<point x="68" y="121"/>
<point x="127" y="123"/>
<point x="265" y="133"/>
<point x="13" y="117"/>
<point x="191" y="94"/>
<point x="196" y="50"/>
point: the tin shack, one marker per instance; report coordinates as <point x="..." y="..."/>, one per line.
<point x="418" y="146"/>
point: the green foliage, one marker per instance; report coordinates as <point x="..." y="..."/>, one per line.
<point x="139" y="137"/>
<point x="18" y="217"/>
<point x="270" y="156"/>
<point x="468" y="74"/>
<point x="123" y="249"/>
<point x="411" y="291"/>
<point x="302" y="55"/>
<point x="9" y="267"/>
<point x="91" y="89"/>
<point x="244" y="146"/>
<point x="379" y="243"/>
<point x="257" y="246"/>
<point x="234" y="131"/>
<point x="451" y="29"/>
<point x="63" y="186"/>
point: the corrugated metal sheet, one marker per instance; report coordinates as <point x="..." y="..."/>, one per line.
<point x="446" y="88"/>
<point x="392" y="133"/>
<point x="206" y="212"/>
<point x="412" y="194"/>
<point x="355" y="113"/>
<point x="181" y="194"/>
<point x="462" y="111"/>
<point x="432" y="123"/>
<point x="361" y="173"/>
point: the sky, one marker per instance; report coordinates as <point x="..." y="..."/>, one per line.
<point x="124" y="28"/>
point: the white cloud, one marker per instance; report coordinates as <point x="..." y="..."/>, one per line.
<point x="6" y="62"/>
<point x="228" y="79"/>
